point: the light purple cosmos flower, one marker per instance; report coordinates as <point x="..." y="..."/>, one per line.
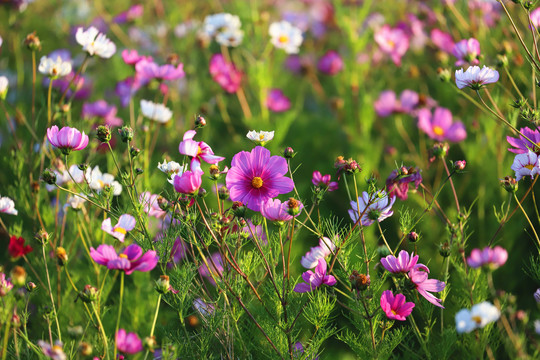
<point x="148" y="70"/>
<point x="442" y="40"/>
<point x="130" y="260"/>
<point x="523" y="145"/>
<point x="425" y="286"/>
<point x="393" y="42"/>
<point x="178" y="252"/>
<point x="67" y="139"/>
<point x="475" y="77"/>
<point x="274" y="210"/>
<point x="54" y="352"/>
<point x="101" y="109"/>
<point x="203" y="308"/>
<point x="330" y="63"/>
<point x="397" y="184"/>
<point x="214" y="268"/>
<point x="277" y="101"/>
<point x="526" y="164"/>
<point x="132" y="57"/>
<point x="385" y="105"/>
<point x="402" y="264"/>
<point x="151" y="206"/>
<point x="225" y="74"/>
<point x="189" y="182"/>
<point x="128" y="343"/>
<point x="7" y="206"/>
<point x="535" y="18"/>
<point x="255" y="177"/>
<point x="133" y="13"/>
<point x="467" y="52"/>
<point x="198" y="150"/>
<point x="315" y="279"/>
<point x="324" y="249"/>
<point x="408" y="102"/>
<point x="323" y="181"/>
<point x="440" y="126"/>
<point x="5" y="285"/>
<point x="126" y="223"/>
<point x="379" y="207"/>
<point x="395" y="307"/>
<point x="492" y="258"/>
<point x="126" y="88"/>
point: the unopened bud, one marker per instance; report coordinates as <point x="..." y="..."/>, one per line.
<point x="444" y="74"/>
<point x="134" y="152"/>
<point x="289" y="153"/>
<point x="223" y="193"/>
<point x="32" y="42"/>
<point x="444" y="249"/>
<point x="15" y="320"/>
<point x="200" y="122"/>
<point x="126" y="133"/>
<point x="214" y="172"/>
<point x="83" y="167"/>
<point x="104" y="133"/>
<point x="18" y="276"/>
<point x="163" y="284"/>
<point x="438" y="151"/>
<point x="509" y="184"/>
<point x="518" y="103"/>
<point x="163" y="203"/>
<point x="49" y="176"/>
<point x="459" y="165"/>
<point x="138" y="171"/>
<point x="31" y="287"/>
<point x="413" y="237"/>
<point x="238" y="209"/>
<point x="42" y="237"/>
<point x="89" y="294"/>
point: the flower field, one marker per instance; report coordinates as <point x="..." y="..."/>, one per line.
<point x="307" y="179"/>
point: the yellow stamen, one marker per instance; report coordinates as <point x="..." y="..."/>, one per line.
<point x="283" y="39"/>
<point x="529" y="166"/>
<point x="477" y="319"/>
<point x="123" y="256"/>
<point x="120" y="230"/>
<point x="438" y="130"/>
<point x="261" y="137"/>
<point x="257" y="182"/>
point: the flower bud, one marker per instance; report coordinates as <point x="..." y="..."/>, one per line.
<point x="163" y="203"/>
<point x="163" y="284"/>
<point x="85" y="349"/>
<point x="138" y="171"/>
<point x="413" y="237"/>
<point x="444" y="74"/>
<point x="18" y="276"/>
<point x="359" y="281"/>
<point x="223" y="193"/>
<point x="383" y="251"/>
<point x="352" y="167"/>
<point x="83" y="167"/>
<point x="126" y="133"/>
<point x="15" y="320"/>
<point x="89" y="294"/>
<point x="459" y="165"/>
<point x="202" y="193"/>
<point x="42" y="237"/>
<point x="49" y="176"/>
<point x="200" y="122"/>
<point x="32" y="42"/>
<point x="438" y="151"/>
<point x="289" y="153"/>
<point x="104" y="133"/>
<point x="238" y="209"/>
<point x="518" y="103"/>
<point x="509" y="184"/>
<point x="502" y="60"/>
<point x="134" y="152"/>
<point x="31" y="287"/>
<point x="444" y="249"/>
<point x="150" y="343"/>
<point x="61" y="256"/>
<point x="215" y="174"/>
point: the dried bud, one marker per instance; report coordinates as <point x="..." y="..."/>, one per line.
<point x="126" y="133"/>
<point x="49" y="176"/>
<point x="18" y="276"/>
<point x="150" y="343"/>
<point x="134" y="152"/>
<point x="293" y="206"/>
<point x="200" y="122"/>
<point x="85" y="349"/>
<point x="89" y="294"/>
<point x="289" y="153"/>
<point x="32" y="42"/>
<point x="31" y="287"/>
<point x="163" y="284"/>
<point x="444" y="249"/>
<point x="223" y="193"/>
<point x="238" y="209"/>
<point x="509" y="184"/>
<point x="61" y="256"/>
<point x="413" y="237"/>
<point x="104" y="133"/>
<point x="359" y="281"/>
<point x="215" y="174"/>
<point x="42" y="237"/>
<point x="459" y="165"/>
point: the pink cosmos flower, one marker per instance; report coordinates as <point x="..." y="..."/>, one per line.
<point x="277" y="101"/>
<point x="132" y="57"/>
<point x="67" y="139"/>
<point x="130" y="260"/>
<point x="225" y="74"/>
<point x="178" y="252"/>
<point x="408" y="102"/>
<point x="467" y="52"/>
<point x="100" y="109"/>
<point x="330" y="63"/>
<point x="323" y="181"/>
<point x="526" y="164"/>
<point x="198" y="150"/>
<point x="397" y="184"/>
<point x="492" y="258"/>
<point x="7" y="206"/>
<point x="442" y="40"/>
<point x="274" y="210"/>
<point x="439" y="125"/>
<point x="535" y="18"/>
<point x="385" y="105"/>
<point x="315" y="279"/>
<point x="255" y="177"/>
<point x="395" y="307"/>
<point x="379" y="207"/>
<point x="475" y="77"/>
<point x="151" y="206"/>
<point x="125" y="223"/>
<point x="214" y="268"/>
<point x="402" y="264"/>
<point x="131" y="14"/>
<point x="128" y="343"/>
<point x="324" y="249"/>
<point x="523" y="145"/>
<point x="5" y="285"/>
<point x="419" y="277"/>
<point x="54" y="352"/>
<point x="148" y="70"/>
<point x="189" y="182"/>
<point x="393" y="42"/>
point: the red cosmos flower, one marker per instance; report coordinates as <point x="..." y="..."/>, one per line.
<point x="17" y="248"/>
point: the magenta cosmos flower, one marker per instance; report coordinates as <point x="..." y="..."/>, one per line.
<point x="425" y="286"/>
<point x="198" y="150"/>
<point x="5" y="285"/>
<point x="274" y="210"/>
<point x="401" y="264"/>
<point x="67" y="139"/>
<point x="130" y="260"/>
<point x="151" y="205"/>
<point x="189" y="182"/>
<point x="475" y="77"/>
<point x="315" y="279"/>
<point x="535" y="18"/>
<point x="376" y="207"/>
<point x="523" y="145"/>
<point x="492" y="258"/>
<point x="225" y="74"/>
<point x="311" y="259"/>
<point x="132" y="57"/>
<point x="147" y="70"/>
<point x="323" y="181"/>
<point x="128" y="343"/>
<point x="103" y="111"/>
<point x="125" y="223"/>
<point x="255" y="177"/>
<point x="440" y="126"/>
<point x="395" y="307"/>
<point x="393" y="42"/>
<point x="330" y="63"/>
<point x="277" y="101"/>
<point x="442" y="40"/>
<point x="397" y="184"/>
<point x="467" y="51"/>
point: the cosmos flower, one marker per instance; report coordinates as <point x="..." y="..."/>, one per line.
<point x="75" y="202"/>
<point x="54" y="68"/>
<point x="125" y="223"/>
<point x="395" y="307"/>
<point x="147" y="70"/>
<point x="324" y="249"/>
<point x="198" y="150"/>
<point x="393" y="42"/>
<point x="323" y="181"/>
<point x="16" y="247"/>
<point x="467" y="51"/>
<point x="479" y="316"/>
<point x="131" y="14"/>
<point x="276" y="101"/>
<point x="492" y="258"/>
<point x="419" y="277"/>
<point x="224" y="27"/>
<point x="374" y="208"/>
<point x="442" y="40"/>
<point x="286" y="36"/>
<point x="535" y="18"/>
<point x="203" y="308"/>
<point x="215" y="262"/>
<point x="105" y="112"/>
<point x="151" y="206"/>
<point x="522" y="145"/>
<point x="157" y="112"/>
<point x="7" y="206"/>
<point x="440" y="126"/>
<point x="397" y="183"/>
<point x="189" y="182"/>
<point x="260" y="137"/>
<point x="128" y="343"/>
<point x="526" y="164"/>
<point x="67" y="139"/>
<point x="130" y="260"/>
<point x="475" y="78"/>
<point x="95" y="43"/>
<point x="5" y="285"/>
<point x="98" y="181"/>
<point x="225" y="74"/>
<point x="315" y="279"/>
<point x="54" y="352"/>
<point x="171" y="167"/>
<point x="403" y="263"/>
<point x="274" y="210"/>
<point x="256" y="177"/>
<point x="330" y="63"/>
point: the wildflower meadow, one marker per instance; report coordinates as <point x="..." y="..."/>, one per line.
<point x="288" y="179"/>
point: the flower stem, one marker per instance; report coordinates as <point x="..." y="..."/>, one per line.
<point x="105" y="343"/>
<point x="50" y="294"/>
<point x="49" y="95"/>
<point x="528" y="220"/>
<point x="154" y="322"/>
<point x="119" y="311"/>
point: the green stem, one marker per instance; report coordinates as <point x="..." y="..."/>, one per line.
<point x="49" y="96"/>
<point x="154" y="322"/>
<point x="50" y="294"/>
<point x="119" y="311"/>
<point x="528" y="220"/>
<point x="105" y="343"/>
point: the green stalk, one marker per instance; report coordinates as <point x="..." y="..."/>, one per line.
<point x="154" y="322"/>
<point x="119" y="311"/>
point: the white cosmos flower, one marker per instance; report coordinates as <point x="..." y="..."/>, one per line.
<point x="7" y="206"/>
<point x="475" y="78"/>
<point x="213" y="24"/>
<point x="54" y="68"/>
<point x="479" y="316"/>
<point x="157" y="112"/>
<point x="4" y="83"/>
<point x="95" y="43"/>
<point x="260" y="137"/>
<point x="527" y="164"/>
<point x="286" y="36"/>
<point x="97" y="181"/>
<point x="230" y="37"/>
<point x="75" y="202"/>
<point x="171" y="167"/>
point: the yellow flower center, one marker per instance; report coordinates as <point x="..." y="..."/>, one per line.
<point x="57" y="347"/>
<point x="101" y="184"/>
<point x="199" y="152"/>
<point x="257" y="182"/>
<point x="283" y="39"/>
<point x="529" y="166"/>
<point x="477" y="319"/>
<point x="438" y="130"/>
<point x="261" y="137"/>
<point x="123" y="256"/>
<point x="394" y="312"/>
<point x="120" y="230"/>
<point x="391" y="43"/>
